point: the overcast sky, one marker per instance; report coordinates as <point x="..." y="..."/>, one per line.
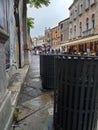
<point x="49" y="16"/>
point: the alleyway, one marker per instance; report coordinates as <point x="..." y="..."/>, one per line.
<point x="35" y="104"/>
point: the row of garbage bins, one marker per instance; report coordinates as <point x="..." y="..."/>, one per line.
<point x="75" y="83"/>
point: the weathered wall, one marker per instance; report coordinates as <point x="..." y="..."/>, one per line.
<point x="5" y="102"/>
<point x="3" y="83"/>
<point x="12" y="32"/>
<point x="3" y="39"/>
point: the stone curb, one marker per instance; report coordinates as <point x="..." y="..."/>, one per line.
<point x="15" y="89"/>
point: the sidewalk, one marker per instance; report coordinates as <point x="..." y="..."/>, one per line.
<point x="15" y="86"/>
<point x="35" y="104"/>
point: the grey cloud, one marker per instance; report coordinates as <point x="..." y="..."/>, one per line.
<point x="49" y="16"/>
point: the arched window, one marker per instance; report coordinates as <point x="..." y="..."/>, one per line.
<point x="93" y="21"/>
<point x="61" y="37"/>
<point x="81" y="7"/>
<point x="88" y="2"/>
<point x="80" y="29"/>
<point x="75" y="31"/>
<point x="87" y="24"/>
<point x="71" y="33"/>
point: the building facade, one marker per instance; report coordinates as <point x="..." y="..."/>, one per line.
<point x="64" y="28"/>
<point x="38" y="41"/>
<point x="84" y="25"/>
<point x="48" y="36"/>
<point x="83" y="19"/>
<point x="56" y="36"/>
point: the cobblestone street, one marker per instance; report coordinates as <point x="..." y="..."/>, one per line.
<point x="35" y="104"/>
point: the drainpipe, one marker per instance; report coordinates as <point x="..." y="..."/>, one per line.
<point x="19" y="43"/>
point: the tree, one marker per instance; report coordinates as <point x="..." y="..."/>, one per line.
<point x="38" y="3"/>
<point x="30" y="23"/>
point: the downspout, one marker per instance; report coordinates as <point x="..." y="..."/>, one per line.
<point x="19" y="45"/>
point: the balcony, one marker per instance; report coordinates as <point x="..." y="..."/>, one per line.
<point x="89" y="32"/>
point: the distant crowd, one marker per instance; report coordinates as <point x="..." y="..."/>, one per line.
<point x="49" y="50"/>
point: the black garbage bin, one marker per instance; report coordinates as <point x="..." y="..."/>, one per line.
<point x="41" y="65"/>
<point x="47" y="71"/>
<point x="76" y="93"/>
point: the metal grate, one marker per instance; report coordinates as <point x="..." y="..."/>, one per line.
<point x="75" y="93"/>
<point x="47" y="71"/>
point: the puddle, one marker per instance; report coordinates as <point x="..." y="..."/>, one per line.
<point x="35" y="80"/>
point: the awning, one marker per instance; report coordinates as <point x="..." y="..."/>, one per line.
<point x="83" y="40"/>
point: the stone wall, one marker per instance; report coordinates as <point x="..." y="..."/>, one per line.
<point x="3" y="85"/>
<point x="5" y="101"/>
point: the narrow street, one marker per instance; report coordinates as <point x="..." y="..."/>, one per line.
<point x="35" y="104"/>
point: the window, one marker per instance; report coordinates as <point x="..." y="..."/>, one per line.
<point x="71" y="33"/>
<point x="87" y="4"/>
<point x="71" y="14"/>
<point x="93" y="21"/>
<point x="75" y="12"/>
<point x="80" y="29"/>
<point x="61" y="37"/>
<point x="55" y="31"/>
<point x="75" y="31"/>
<point x="87" y="24"/>
<point x="61" y="26"/>
<point x="75" y="9"/>
<point x="81" y="6"/>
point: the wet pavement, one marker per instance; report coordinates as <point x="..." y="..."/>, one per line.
<point x="35" y="104"/>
